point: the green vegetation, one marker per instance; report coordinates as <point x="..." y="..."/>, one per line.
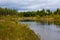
<point x="7" y="11"/>
<point x="42" y="15"/>
<point x="10" y="30"/>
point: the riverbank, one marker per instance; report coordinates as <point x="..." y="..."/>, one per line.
<point x="12" y="30"/>
<point x="50" y="19"/>
<point x="28" y="18"/>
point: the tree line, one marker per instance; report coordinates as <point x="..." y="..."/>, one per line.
<point x="7" y="11"/>
<point x="43" y="12"/>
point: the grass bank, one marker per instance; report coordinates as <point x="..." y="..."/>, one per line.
<point x="12" y="30"/>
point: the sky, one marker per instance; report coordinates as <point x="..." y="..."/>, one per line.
<point x="30" y="5"/>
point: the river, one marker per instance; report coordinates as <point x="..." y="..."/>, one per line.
<point x="47" y="32"/>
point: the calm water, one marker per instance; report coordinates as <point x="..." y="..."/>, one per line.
<point x="47" y="32"/>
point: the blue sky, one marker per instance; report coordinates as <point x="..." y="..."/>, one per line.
<point x="30" y="5"/>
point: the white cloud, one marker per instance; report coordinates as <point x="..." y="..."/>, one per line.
<point x="30" y="4"/>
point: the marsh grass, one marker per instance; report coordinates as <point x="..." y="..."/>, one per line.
<point x="10" y="30"/>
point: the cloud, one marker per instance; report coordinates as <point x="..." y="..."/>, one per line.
<point x="28" y="5"/>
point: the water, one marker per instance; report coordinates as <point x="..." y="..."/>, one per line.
<point x="47" y="32"/>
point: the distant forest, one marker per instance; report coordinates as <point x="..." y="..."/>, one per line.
<point x="43" y="12"/>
